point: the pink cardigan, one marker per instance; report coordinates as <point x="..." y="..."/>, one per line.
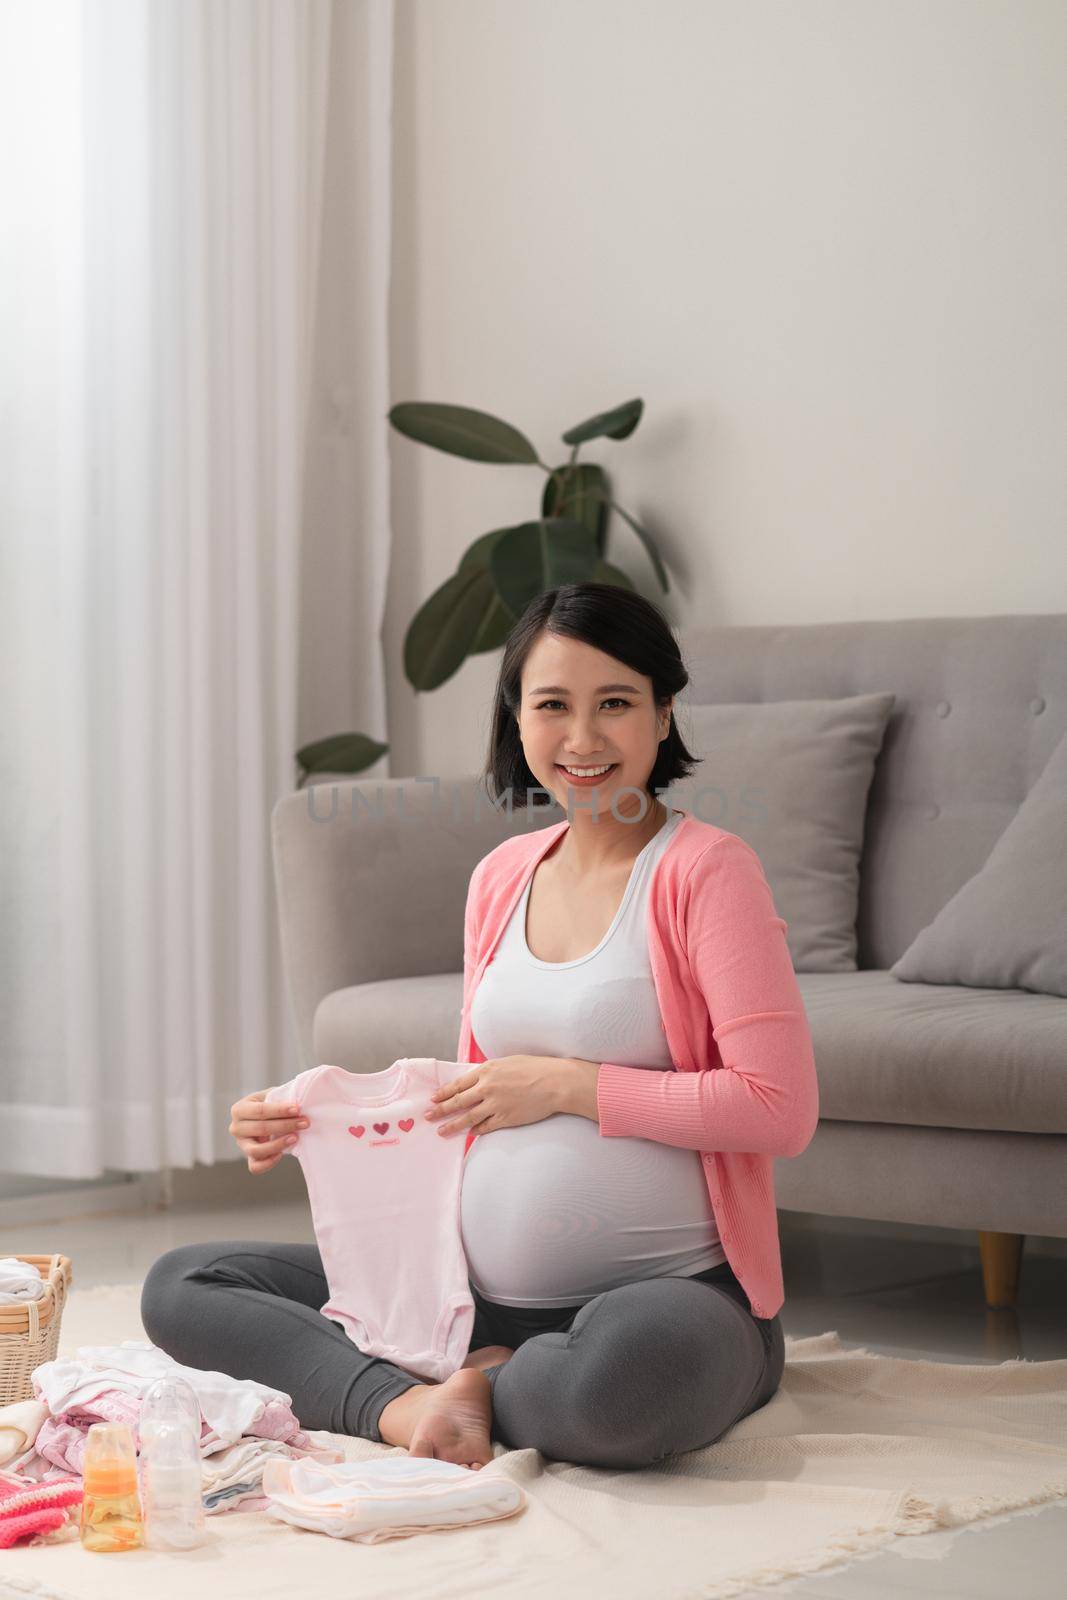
<point x="744" y="1088"/>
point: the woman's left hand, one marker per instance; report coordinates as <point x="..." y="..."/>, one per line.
<point x="506" y="1092"/>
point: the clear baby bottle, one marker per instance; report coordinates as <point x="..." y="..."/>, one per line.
<point x="170" y="1399"/>
<point x="171" y="1472"/>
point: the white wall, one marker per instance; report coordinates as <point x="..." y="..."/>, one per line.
<point x="826" y="241"/>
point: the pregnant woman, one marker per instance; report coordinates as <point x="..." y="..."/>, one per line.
<point x="633" y="1056"/>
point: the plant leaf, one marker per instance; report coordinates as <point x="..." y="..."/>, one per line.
<point x="477" y="554"/>
<point x="618" y="423"/>
<point x="569" y="493"/>
<point x="646" y="540"/>
<point x="498" y="620"/>
<point x="535" y="556"/>
<point x="496" y="625"/>
<point x="441" y="633"/>
<point x="463" y="431"/>
<point x="341" y="752"/>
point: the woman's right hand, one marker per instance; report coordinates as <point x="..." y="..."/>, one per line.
<point x="264" y="1132"/>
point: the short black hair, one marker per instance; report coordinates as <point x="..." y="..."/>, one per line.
<point x="622" y="624"/>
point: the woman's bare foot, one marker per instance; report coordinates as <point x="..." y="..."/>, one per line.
<point x="449" y="1421"/>
<point x="489" y="1355"/>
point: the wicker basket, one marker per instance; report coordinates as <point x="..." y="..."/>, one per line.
<point x="29" y="1332"/>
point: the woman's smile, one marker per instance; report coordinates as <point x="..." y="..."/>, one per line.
<point x="589" y="776"/>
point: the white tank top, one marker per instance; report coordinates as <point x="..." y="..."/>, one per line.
<point x="553" y="1213"/>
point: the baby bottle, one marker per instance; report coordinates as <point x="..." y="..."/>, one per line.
<point x="111" y="1508"/>
<point x="171" y="1471"/>
<point x="170" y="1399"/>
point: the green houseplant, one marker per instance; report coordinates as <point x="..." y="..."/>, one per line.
<point x="503" y="570"/>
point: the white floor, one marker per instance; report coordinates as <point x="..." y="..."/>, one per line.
<point x="901" y="1292"/>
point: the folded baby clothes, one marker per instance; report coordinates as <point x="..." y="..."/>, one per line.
<point x="243" y="1423"/>
<point x="106" y="1382"/>
<point x="231" y="1478"/>
<point x="20" y="1423"/>
<point x="19" y="1281"/>
<point x="391" y="1498"/>
<point x="384" y="1189"/>
<point x="36" y="1467"/>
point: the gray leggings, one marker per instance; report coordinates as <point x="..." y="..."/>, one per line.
<point x="637" y="1373"/>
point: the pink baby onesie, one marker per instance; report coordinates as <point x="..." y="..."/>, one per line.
<point x="384" y="1191"/>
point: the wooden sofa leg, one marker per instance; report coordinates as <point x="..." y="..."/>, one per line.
<point x="1001" y="1255"/>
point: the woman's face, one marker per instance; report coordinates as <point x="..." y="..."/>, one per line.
<point x="582" y="708"/>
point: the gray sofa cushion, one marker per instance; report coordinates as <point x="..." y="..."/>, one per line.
<point x="1006" y="928"/>
<point x="889" y="1052"/>
<point x="791" y="778"/>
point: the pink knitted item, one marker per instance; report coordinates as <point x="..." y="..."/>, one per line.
<point x="28" y="1508"/>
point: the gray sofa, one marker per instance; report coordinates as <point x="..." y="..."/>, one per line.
<point x="939" y="1104"/>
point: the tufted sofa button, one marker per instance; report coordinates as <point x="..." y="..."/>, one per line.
<point x="933" y="813"/>
<point x="1037" y="705"/>
<point x="943" y="708"/>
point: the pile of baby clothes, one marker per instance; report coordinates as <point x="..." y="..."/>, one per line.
<point x="244" y="1423"/>
<point x="390" y="1498"/>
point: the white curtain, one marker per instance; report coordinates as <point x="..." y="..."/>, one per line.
<point x="180" y="482"/>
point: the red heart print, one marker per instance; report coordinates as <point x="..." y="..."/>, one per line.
<point x="381" y="1127"/>
<point x="407" y="1123"/>
<point x="359" y="1132"/>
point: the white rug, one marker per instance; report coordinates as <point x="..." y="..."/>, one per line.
<point x="855" y="1452"/>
